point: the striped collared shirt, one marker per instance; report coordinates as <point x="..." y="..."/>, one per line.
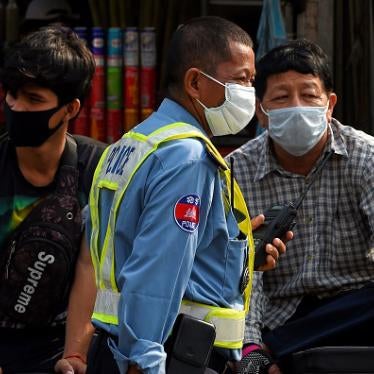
<point x="333" y="246"/>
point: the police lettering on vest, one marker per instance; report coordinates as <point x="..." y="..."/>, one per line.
<point x="118" y="158"/>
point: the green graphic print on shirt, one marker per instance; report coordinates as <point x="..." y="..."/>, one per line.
<point x="13" y="210"/>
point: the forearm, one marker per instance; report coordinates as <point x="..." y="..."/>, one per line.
<point x="79" y="329"/>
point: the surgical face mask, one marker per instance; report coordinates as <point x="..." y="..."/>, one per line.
<point x="29" y="129"/>
<point x="235" y="112"/>
<point x="297" y="129"/>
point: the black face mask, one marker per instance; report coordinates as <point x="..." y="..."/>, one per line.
<point x="29" y="129"/>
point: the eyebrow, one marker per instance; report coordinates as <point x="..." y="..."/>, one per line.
<point x="308" y="84"/>
<point x="31" y="92"/>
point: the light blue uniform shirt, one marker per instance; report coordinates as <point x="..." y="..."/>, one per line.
<point x="157" y="262"/>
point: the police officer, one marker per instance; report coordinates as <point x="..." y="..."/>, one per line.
<point x="168" y="230"/>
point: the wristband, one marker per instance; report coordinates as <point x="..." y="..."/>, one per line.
<point x="256" y="362"/>
<point x="248" y="348"/>
<point x="76" y="355"/>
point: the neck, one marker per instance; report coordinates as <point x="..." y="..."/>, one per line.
<point x="300" y="164"/>
<point x="39" y="165"/>
<point x="192" y="106"/>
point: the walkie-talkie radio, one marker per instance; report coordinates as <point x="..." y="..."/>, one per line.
<point x="279" y="219"/>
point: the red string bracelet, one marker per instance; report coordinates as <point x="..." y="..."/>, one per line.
<point x="76" y="355"/>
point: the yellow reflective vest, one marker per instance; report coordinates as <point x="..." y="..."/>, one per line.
<point x="229" y="323"/>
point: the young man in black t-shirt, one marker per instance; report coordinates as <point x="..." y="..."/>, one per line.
<point x="46" y="77"/>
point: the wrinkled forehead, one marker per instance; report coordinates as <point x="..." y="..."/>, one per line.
<point x="295" y="80"/>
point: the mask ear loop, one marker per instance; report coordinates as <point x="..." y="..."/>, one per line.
<point x="203" y="105"/>
<point x="212" y="78"/>
<point x="263" y="110"/>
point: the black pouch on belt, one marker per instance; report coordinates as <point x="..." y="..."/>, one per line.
<point x="189" y="346"/>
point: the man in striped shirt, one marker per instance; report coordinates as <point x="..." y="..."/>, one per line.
<point x="322" y="291"/>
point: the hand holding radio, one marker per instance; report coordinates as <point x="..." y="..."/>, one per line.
<point x="278" y="220"/>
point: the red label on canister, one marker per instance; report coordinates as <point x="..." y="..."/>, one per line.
<point x="145" y="112"/>
<point x="114" y="120"/>
<point x="148" y="70"/>
<point x="81" y="125"/>
<point x="147" y="87"/>
<point x="131" y="77"/>
<point x="98" y="130"/>
<point x="131" y="95"/>
<point x="131" y="84"/>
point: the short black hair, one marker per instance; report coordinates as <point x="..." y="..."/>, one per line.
<point x="300" y="55"/>
<point x="53" y="57"/>
<point x="204" y="43"/>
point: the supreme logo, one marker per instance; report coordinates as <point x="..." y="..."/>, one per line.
<point x="35" y="274"/>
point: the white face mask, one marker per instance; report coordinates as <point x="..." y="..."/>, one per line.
<point x="235" y="112"/>
<point x="297" y="129"/>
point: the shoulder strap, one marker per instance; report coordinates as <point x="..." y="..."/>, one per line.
<point x="67" y="175"/>
<point x="70" y="154"/>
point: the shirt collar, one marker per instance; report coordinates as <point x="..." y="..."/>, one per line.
<point x="178" y="113"/>
<point x="266" y="160"/>
<point x="336" y="141"/>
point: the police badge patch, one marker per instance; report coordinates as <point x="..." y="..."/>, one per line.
<point x="187" y="212"/>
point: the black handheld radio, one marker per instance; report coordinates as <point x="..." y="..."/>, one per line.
<point x="279" y="219"/>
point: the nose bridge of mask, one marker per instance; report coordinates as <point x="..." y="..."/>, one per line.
<point x="233" y="89"/>
<point x="282" y="114"/>
<point x="291" y="109"/>
<point x="314" y="109"/>
<point x="241" y="97"/>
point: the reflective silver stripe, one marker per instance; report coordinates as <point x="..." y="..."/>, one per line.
<point x="227" y="329"/>
<point x="121" y="180"/>
<point x="107" y="302"/>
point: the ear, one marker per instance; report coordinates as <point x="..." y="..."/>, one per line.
<point x="192" y="82"/>
<point x="332" y="102"/>
<point x="72" y="109"/>
<point x="261" y="116"/>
